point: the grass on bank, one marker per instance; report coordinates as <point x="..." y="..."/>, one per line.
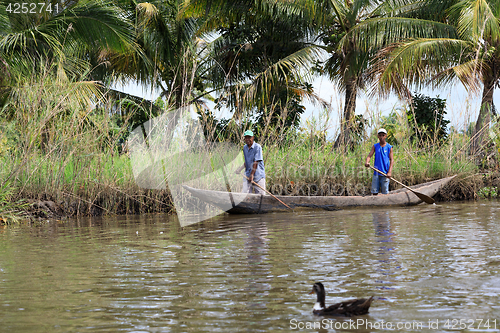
<point x="81" y="181"/>
<point x="305" y="164"/>
<point x="11" y="210"/>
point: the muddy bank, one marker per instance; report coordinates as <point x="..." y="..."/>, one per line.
<point x="469" y="187"/>
<point x="52" y="206"/>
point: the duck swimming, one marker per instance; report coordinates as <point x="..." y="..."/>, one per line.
<point x="354" y="307"/>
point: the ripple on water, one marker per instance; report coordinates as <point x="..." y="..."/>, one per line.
<point x="250" y="272"/>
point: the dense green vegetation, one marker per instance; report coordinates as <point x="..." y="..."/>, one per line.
<point x="427" y="117"/>
<point x="64" y="129"/>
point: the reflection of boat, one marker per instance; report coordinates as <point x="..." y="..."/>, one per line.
<point x="256" y="203"/>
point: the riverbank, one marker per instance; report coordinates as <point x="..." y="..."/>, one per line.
<point x="104" y="184"/>
<point x="464" y="187"/>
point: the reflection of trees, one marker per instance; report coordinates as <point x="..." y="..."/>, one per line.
<point x="136" y="271"/>
<point x="467" y="244"/>
<point x="386" y="250"/>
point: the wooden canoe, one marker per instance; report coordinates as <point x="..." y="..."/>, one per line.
<point x="249" y="203"/>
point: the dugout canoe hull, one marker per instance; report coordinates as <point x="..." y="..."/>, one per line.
<point x="248" y="203"/>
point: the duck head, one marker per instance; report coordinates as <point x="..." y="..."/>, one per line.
<point x="319" y="289"/>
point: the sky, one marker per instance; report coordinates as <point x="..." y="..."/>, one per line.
<point x="461" y="107"/>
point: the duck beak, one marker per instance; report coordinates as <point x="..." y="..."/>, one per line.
<point x="312" y="292"/>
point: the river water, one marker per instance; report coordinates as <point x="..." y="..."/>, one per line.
<point x="430" y="268"/>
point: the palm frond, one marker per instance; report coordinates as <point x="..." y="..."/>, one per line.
<point x="148" y="11"/>
<point x="477" y="21"/>
<point x="341" y="13"/>
<point x="311" y="97"/>
<point x="97" y="23"/>
<point x="469" y="73"/>
<point x="400" y="8"/>
<point x="283" y="71"/>
<point x="375" y="33"/>
<point x="416" y="62"/>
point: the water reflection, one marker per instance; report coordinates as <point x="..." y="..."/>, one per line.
<point x="250" y="273"/>
<point x="257" y="250"/>
<point x="386" y="250"/>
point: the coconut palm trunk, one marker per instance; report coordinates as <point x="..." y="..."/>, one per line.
<point x="483" y="120"/>
<point x="346" y="127"/>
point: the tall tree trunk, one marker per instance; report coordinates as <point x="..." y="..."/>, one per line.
<point x="347" y="122"/>
<point x="481" y="131"/>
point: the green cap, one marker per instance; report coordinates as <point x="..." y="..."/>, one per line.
<point x="248" y="133"/>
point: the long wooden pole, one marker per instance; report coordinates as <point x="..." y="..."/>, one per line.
<point x="422" y="196"/>
<point x="267" y="192"/>
<point x="228" y="188"/>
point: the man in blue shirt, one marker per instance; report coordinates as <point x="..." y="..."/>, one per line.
<point x="384" y="161"/>
<point x="254" y="165"/>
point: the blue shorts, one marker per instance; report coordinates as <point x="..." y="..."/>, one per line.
<point x="380" y="182"/>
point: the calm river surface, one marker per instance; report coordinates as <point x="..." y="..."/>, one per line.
<point x="427" y="266"/>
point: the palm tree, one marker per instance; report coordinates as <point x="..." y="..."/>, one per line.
<point x="471" y="56"/>
<point x="261" y="51"/>
<point x="169" y="44"/>
<point x="65" y="40"/>
<point x="353" y="32"/>
<point x="58" y="44"/>
<point x="67" y="37"/>
<point x="347" y="63"/>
